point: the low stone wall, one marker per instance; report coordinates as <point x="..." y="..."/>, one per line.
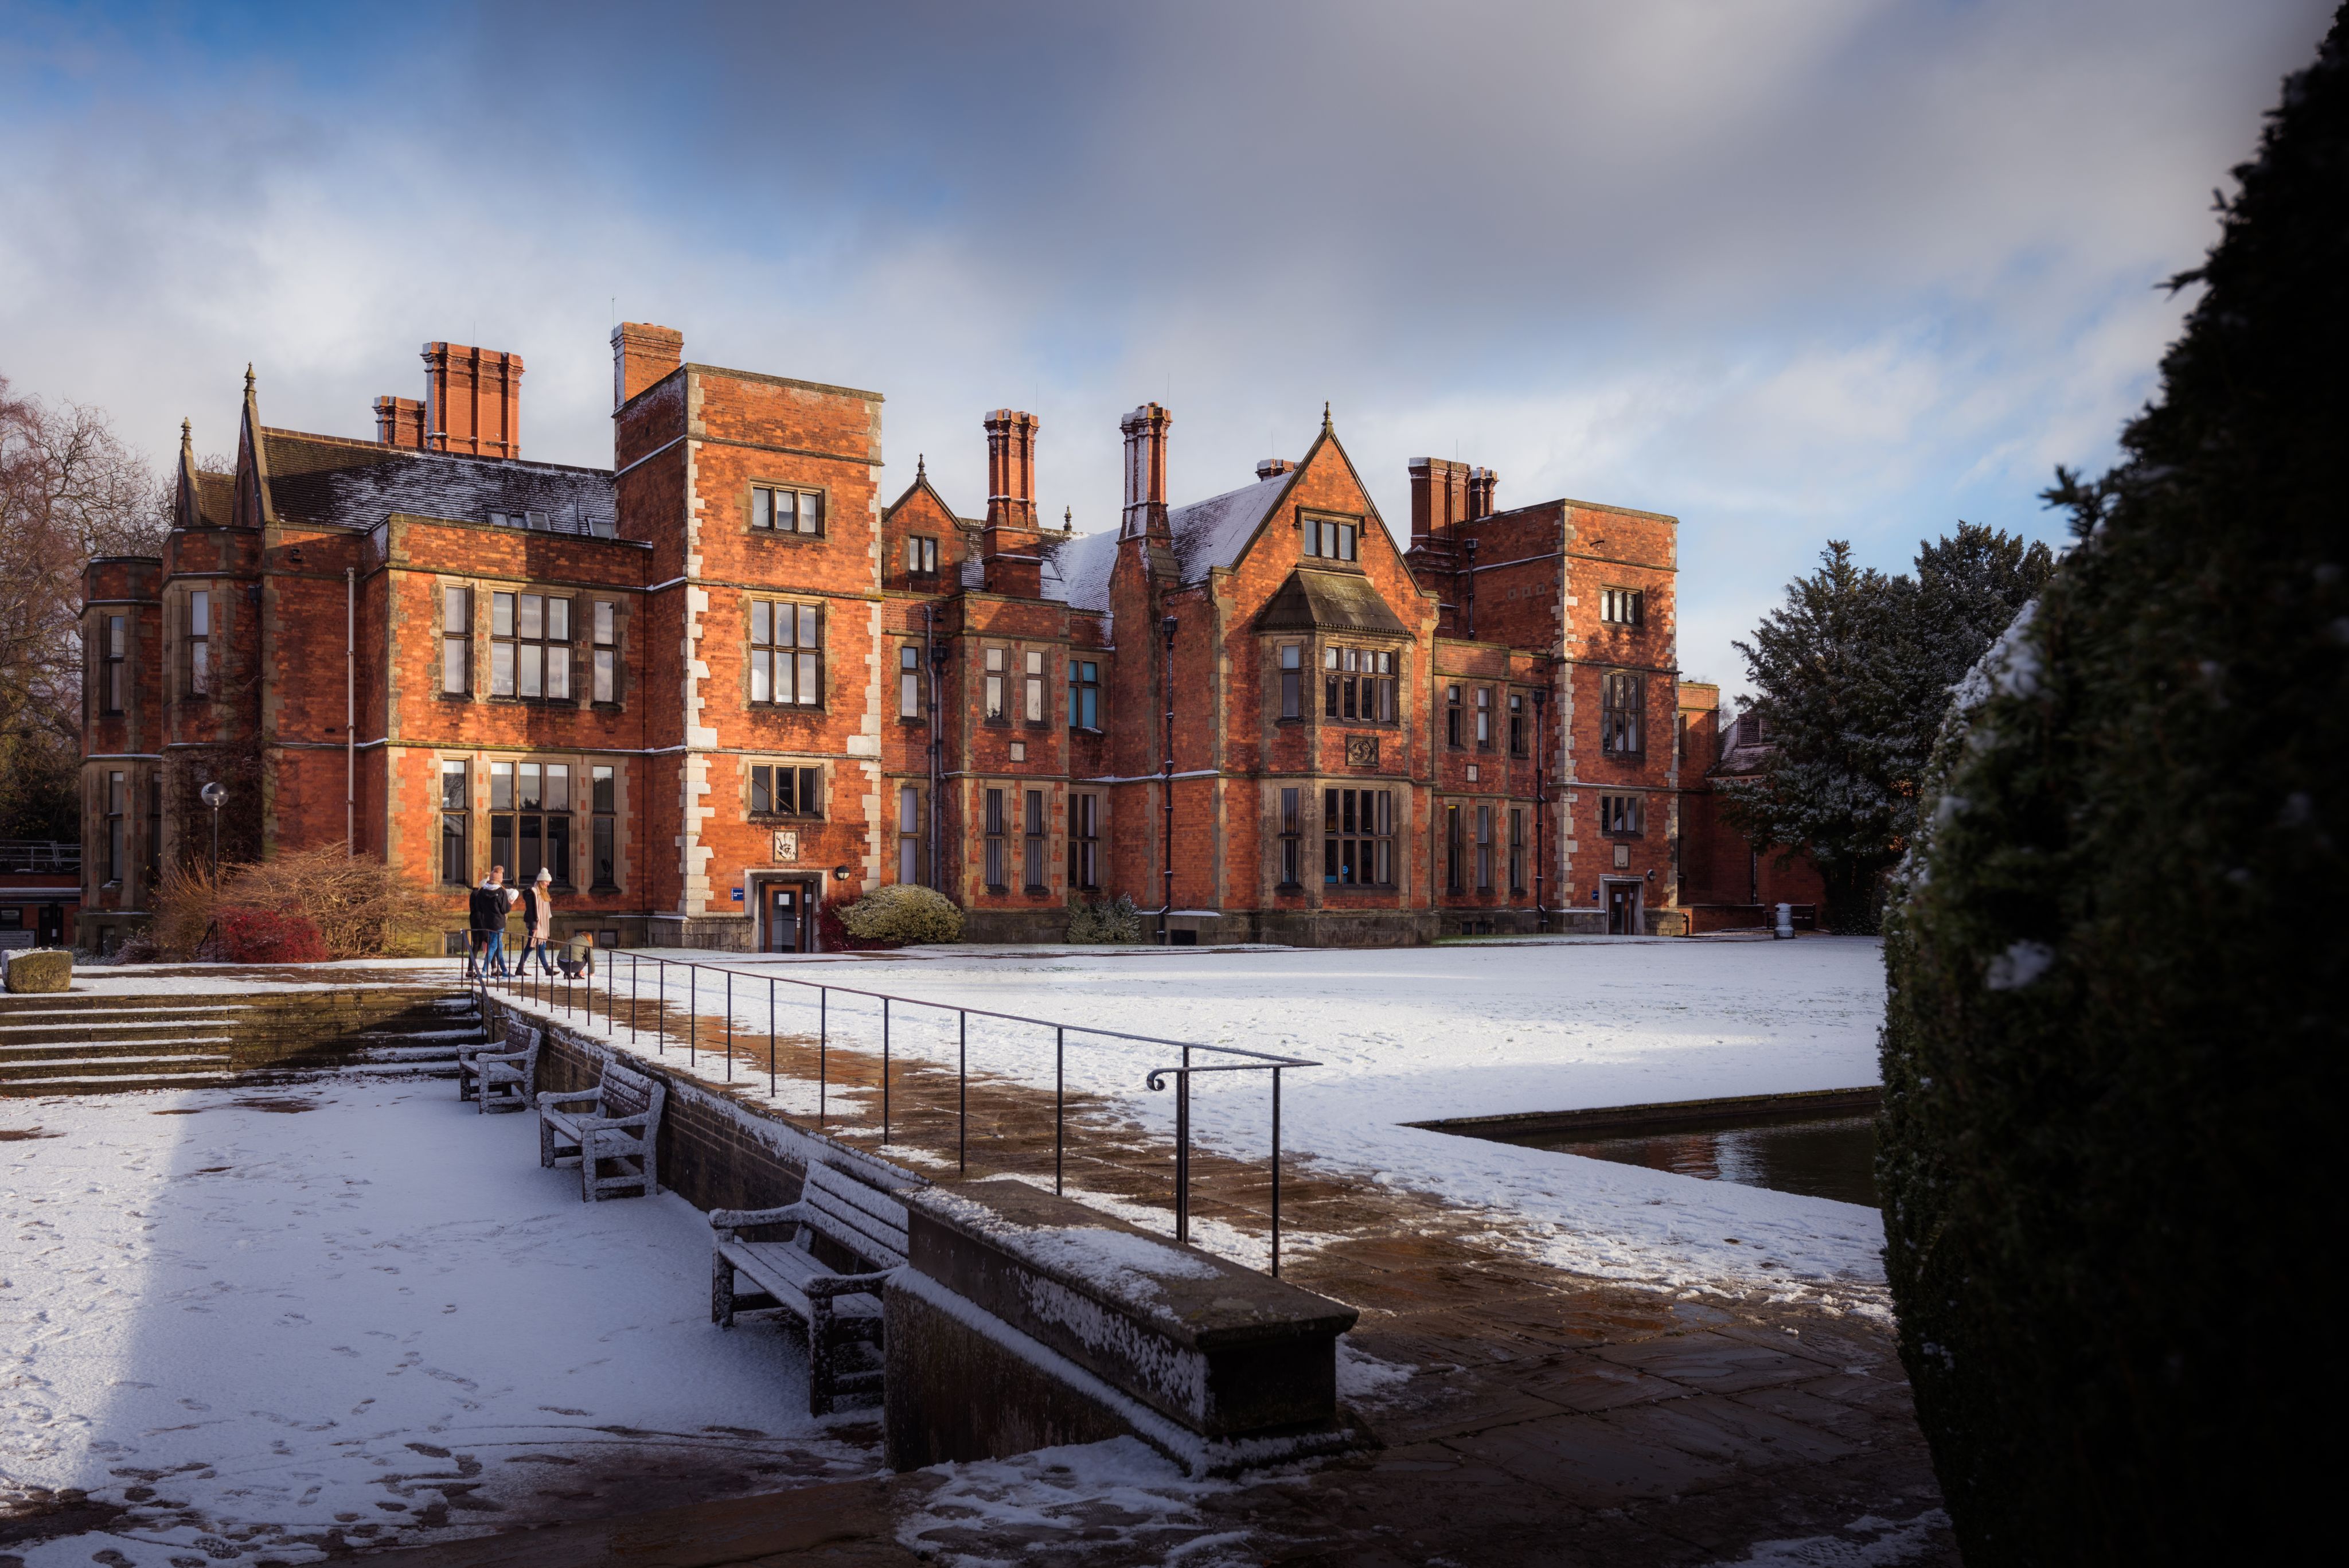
<point x="717" y="1150"/>
<point x="1024" y="1320"/>
<point x="324" y="1028"/>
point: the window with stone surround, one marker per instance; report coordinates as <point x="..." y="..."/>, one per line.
<point x="1452" y="717"/>
<point x="909" y="682"/>
<point x="1622" y="698"/>
<point x="1622" y="607"/>
<point x="1452" y="849"/>
<point x="1292" y="844"/>
<point x="456" y="641"/>
<point x="603" y="800"/>
<point x="456" y="823"/>
<point x="604" y="635"/>
<point x="115" y="654"/>
<point x="1517" y="849"/>
<point x="1084" y="842"/>
<point x="1621" y="815"/>
<point x="921" y="556"/>
<point x="199" y="642"/>
<point x="1292" y="681"/>
<point x="1484" y="718"/>
<point x="993" y="822"/>
<point x="1516" y="723"/>
<point x="1484" y="848"/>
<point x="786" y="654"/>
<point x="784" y="509"/>
<point x="1357" y="837"/>
<point x="1358" y="684"/>
<point x="993" y="710"/>
<point x="909" y="834"/>
<point x="1032" y="694"/>
<point x="117" y="793"/>
<point x="778" y="789"/>
<point x="530" y="648"/>
<point x="1032" y="846"/>
<point x="530" y="820"/>
<point x="1084" y="695"/>
<point x="1330" y="539"/>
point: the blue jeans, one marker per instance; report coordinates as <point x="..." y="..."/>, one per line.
<point x="493" y="953"/>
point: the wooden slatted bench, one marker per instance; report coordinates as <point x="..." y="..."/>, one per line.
<point x="615" y="1122"/>
<point x="840" y="1309"/>
<point x="498" y="1076"/>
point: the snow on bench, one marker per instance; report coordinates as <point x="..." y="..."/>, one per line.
<point x="840" y="1309"/>
<point x="621" y="1123"/>
<point x="501" y="1077"/>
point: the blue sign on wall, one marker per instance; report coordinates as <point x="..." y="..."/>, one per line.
<point x="738" y="895"/>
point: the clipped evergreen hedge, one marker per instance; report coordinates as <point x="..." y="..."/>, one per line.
<point x="2113" y="1042"/>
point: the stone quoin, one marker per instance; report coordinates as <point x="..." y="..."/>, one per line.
<point x="725" y="683"/>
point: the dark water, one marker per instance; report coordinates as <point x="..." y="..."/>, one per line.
<point x="1832" y="1158"/>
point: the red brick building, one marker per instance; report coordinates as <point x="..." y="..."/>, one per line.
<point x="722" y="683"/>
<point x="1726" y="883"/>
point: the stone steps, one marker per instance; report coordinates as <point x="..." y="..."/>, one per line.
<point x="75" y="1045"/>
<point x="97" y="1027"/>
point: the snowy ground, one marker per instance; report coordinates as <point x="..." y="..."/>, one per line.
<point x="254" y="1326"/>
<point x="1414" y="1034"/>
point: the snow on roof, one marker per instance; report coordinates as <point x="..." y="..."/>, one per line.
<point x="1211" y="533"/>
<point x="1077" y="568"/>
<point x="1208" y="533"/>
<point x="324" y="478"/>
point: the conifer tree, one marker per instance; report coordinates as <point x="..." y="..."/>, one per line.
<point x="2112" y="1045"/>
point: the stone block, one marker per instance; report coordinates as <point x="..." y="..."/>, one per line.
<point x="40" y="970"/>
<point x="1199" y="1356"/>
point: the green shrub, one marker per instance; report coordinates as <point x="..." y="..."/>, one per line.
<point x="1104" y="920"/>
<point x="2113" y="1040"/>
<point x="903" y="913"/>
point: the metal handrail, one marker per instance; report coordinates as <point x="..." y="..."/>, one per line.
<point x="1154" y="1079"/>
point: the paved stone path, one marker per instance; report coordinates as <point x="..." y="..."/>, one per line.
<point x="1549" y="1418"/>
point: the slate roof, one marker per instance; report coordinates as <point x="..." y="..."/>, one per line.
<point x="216" y="499"/>
<point x="357" y="485"/>
<point x="1208" y="533"/>
<point x="1328" y="601"/>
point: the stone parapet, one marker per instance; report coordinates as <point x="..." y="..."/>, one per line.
<point x="1026" y="1318"/>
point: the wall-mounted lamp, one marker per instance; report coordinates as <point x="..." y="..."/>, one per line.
<point x="842" y="873"/>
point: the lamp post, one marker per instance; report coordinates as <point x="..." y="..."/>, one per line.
<point x="215" y="796"/>
<point x="1166" y="788"/>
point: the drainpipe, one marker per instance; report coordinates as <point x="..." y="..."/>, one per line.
<point x="1166" y="789"/>
<point x="933" y="656"/>
<point x="350" y="710"/>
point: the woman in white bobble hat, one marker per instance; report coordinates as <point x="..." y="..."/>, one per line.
<point x="538" y="921"/>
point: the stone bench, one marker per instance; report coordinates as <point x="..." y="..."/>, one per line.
<point x="1026" y="1321"/>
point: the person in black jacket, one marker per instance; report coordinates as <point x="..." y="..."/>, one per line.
<point x="486" y="912"/>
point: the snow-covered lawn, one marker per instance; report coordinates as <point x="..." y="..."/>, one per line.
<point x="1414" y="1034"/>
<point x="257" y="1326"/>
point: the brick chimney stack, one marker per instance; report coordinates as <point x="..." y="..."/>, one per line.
<point x="472" y="400"/>
<point x="1145" y="473"/>
<point x="1439" y="499"/>
<point x="399" y="422"/>
<point x="1011" y="468"/>
<point x="1274" y="467"/>
<point x="1009" y="558"/>
<point x="1481" y="484"/>
<point x="641" y="354"/>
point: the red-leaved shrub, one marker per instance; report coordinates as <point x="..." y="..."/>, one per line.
<point x="265" y="936"/>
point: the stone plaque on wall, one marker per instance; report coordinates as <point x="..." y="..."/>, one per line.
<point x="1361" y="751"/>
<point x="787" y="847"/>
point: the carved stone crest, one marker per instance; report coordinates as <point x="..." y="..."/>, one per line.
<point x="787" y="847"/>
<point x="1361" y="751"/>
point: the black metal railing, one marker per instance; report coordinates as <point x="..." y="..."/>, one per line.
<point x="577" y="994"/>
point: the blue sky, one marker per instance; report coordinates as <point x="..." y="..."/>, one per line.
<point x="1843" y="268"/>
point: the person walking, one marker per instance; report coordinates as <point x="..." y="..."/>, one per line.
<point x="486" y="911"/>
<point x="538" y="922"/>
